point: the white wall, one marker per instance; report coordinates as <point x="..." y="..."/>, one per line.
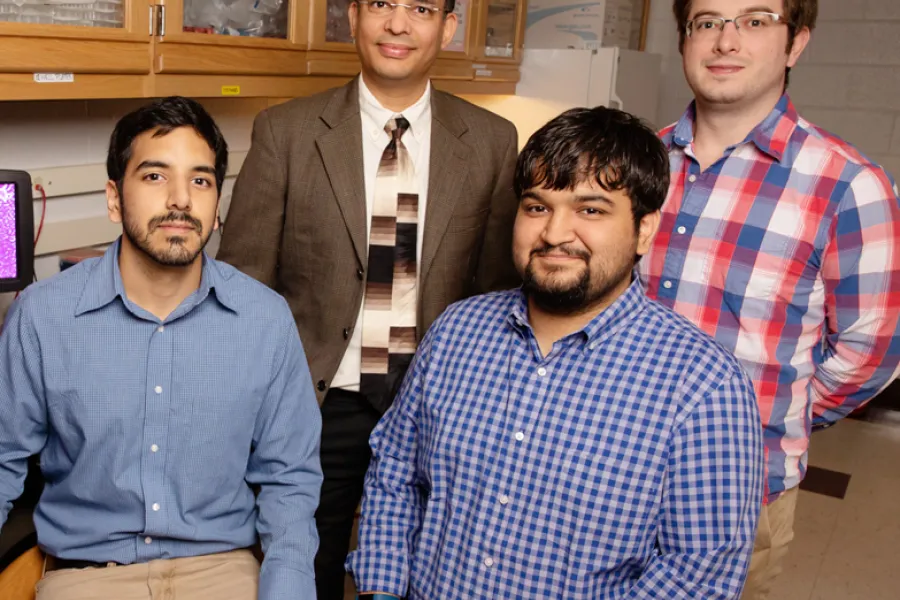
<point x="848" y="80"/>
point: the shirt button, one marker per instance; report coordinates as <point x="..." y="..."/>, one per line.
<point x="667" y="285"/>
<point x="692" y="178"/>
<point x="148" y="540"/>
<point x="489" y="562"/>
<point x="158" y="389"/>
<point x="504" y="499"/>
<point x="359" y="273"/>
<point x="154" y="448"/>
<point x="520" y="436"/>
<point x="160" y="329"/>
<point x="542" y="371"/>
<point x="682" y="230"/>
<point x="346" y="333"/>
<point x="155" y="507"/>
<point x="321" y="385"/>
<point x="592" y="345"/>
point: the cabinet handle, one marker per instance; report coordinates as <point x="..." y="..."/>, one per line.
<point x="161" y="20"/>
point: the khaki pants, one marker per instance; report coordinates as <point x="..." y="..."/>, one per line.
<point x="773" y="534"/>
<point x="227" y="576"/>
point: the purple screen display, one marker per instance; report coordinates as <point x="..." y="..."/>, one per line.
<point x="7" y="231"/>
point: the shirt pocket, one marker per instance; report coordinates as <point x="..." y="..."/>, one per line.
<point x="751" y="266"/>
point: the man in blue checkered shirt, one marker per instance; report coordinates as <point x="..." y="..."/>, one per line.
<point x="570" y="439"/>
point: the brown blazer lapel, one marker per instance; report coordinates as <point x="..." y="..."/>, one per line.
<point x="342" y="156"/>
<point x="448" y="168"/>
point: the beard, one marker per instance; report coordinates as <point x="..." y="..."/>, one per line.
<point x="577" y="295"/>
<point x="176" y="253"/>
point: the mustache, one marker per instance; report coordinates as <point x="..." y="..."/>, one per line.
<point x="177" y="217"/>
<point x="545" y="249"/>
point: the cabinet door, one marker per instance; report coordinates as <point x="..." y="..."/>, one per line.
<point x="231" y="37"/>
<point x="331" y="50"/>
<point x="455" y="61"/>
<point x="501" y="30"/>
<point x="74" y="36"/>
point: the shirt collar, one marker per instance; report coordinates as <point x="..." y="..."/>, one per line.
<point x="623" y="309"/>
<point x="770" y="136"/>
<point x="376" y="116"/>
<point x="104" y="283"/>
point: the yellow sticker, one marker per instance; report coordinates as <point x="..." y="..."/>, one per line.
<point x="231" y="90"/>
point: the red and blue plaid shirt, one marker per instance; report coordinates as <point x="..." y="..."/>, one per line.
<point x="787" y="251"/>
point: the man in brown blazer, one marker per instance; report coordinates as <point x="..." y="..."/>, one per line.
<point x="303" y="206"/>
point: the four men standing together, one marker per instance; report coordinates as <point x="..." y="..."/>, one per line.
<point x="570" y="438"/>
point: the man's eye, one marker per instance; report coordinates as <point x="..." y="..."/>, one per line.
<point x="423" y="10"/>
<point x="152" y="177"/>
<point x="202" y="181"/>
<point x="535" y="208"/>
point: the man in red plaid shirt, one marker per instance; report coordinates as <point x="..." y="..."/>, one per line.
<point x="778" y="239"/>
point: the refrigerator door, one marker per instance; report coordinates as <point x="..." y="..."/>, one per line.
<point x="557" y="75"/>
<point x="601" y="91"/>
<point x="637" y="83"/>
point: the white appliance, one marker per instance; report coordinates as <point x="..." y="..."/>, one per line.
<point x="613" y="77"/>
<point x="555" y="80"/>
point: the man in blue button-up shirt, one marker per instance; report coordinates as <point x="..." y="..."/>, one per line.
<point x="167" y="394"/>
<point x="570" y="440"/>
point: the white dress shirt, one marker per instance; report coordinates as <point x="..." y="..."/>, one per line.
<point x="418" y="143"/>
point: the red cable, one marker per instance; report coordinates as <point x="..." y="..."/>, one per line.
<point x="40" y="188"/>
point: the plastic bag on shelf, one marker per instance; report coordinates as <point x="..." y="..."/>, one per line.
<point x="256" y="18"/>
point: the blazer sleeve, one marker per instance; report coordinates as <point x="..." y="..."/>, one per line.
<point x="251" y="236"/>
<point x="496" y="270"/>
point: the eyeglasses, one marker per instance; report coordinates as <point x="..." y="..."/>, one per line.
<point x="750" y="23"/>
<point x="420" y="11"/>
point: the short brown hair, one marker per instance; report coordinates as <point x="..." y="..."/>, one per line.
<point x="799" y="14"/>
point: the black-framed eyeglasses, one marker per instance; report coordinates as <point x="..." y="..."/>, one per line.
<point x="749" y="23"/>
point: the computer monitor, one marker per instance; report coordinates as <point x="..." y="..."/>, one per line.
<point x="16" y="231"/>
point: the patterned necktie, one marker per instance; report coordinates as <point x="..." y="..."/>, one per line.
<point x="389" y="311"/>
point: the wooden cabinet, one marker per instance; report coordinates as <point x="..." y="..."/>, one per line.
<point x="225" y="48"/>
<point x="206" y="48"/>
<point x="501" y="39"/>
<point x="49" y="51"/>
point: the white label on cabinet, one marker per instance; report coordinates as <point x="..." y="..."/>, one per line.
<point x="483" y="73"/>
<point x="478" y="66"/>
<point x="54" y="78"/>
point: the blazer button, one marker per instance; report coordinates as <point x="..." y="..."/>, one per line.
<point x="346" y="333"/>
<point x="321" y="385"/>
<point x="359" y="273"/>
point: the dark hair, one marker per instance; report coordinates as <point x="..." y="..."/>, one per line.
<point x="614" y="148"/>
<point x="799" y="15"/>
<point x="449" y="5"/>
<point x="164" y="116"/>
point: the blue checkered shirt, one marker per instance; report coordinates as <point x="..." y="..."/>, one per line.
<point x="627" y="463"/>
<point x="153" y="434"/>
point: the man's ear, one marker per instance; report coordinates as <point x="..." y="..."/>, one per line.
<point x="647" y="229"/>
<point x="113" y="202"/>
<point x="353" y="15"/>
<point x="801" y="40"/>
<point x="451" y="22"/>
